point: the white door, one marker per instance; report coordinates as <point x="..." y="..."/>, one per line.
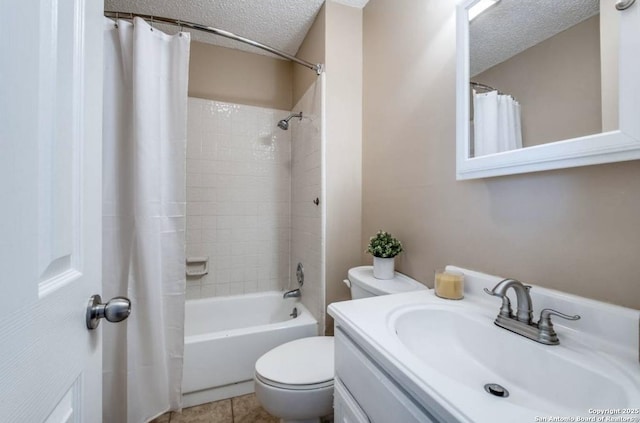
<point x="50" y="209"/>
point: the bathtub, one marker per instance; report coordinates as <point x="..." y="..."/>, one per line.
<point x="224" y="336"/>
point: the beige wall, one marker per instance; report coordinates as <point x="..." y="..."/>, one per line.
<point x="557" y="83"/>
<point x="312" y="50"/>
<point x="343" y="138"/>
<point x="234" y="76"/>
<point x="575" y="230"/>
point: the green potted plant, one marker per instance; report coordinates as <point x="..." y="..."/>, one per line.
<point x="384" y="247"/>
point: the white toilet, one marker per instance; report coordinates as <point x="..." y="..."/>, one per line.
<point x="294" y="381"/>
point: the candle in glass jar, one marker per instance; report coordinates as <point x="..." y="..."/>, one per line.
<point x="449" y="284"/>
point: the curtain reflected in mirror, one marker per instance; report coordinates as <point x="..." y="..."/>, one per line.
<point x="495" y="125"/>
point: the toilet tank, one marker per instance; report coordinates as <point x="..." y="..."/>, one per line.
<point x="363" y="284"/>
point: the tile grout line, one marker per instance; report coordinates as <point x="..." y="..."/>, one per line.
<point x="233" y="418"/>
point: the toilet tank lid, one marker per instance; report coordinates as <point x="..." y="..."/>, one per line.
<point x="363" y="276"/>
<point x="305" y="361"/>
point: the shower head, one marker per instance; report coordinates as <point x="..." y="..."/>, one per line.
<point x="284" y="123"/>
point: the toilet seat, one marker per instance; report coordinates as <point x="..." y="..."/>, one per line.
<point x="290" y="387"/>
<point x="303" y="364"/>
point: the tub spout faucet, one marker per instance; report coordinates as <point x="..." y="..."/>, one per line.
<point x="294" y="293"/>
<point x="522" y="322"/>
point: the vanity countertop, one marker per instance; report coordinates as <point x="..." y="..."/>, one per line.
<point x="603" y="346"/>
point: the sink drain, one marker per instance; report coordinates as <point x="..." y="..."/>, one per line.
<point x="497" y="390"/>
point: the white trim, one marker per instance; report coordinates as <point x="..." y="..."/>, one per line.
<point x="608" y="147"/>
<point x="353" y="3"/>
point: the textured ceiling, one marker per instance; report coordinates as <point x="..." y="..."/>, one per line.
<point x="281" y="24"/>
<point x="513" y="26"/>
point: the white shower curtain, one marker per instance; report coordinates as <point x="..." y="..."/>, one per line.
<point x="144" y="136"/>
<point x="496" y="123"/>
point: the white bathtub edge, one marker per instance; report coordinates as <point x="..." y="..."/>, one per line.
<point x="305" y="318"/>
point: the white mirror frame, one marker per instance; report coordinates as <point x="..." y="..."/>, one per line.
<point x="614" y="146"/>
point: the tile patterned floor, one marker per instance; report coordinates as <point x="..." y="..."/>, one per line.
<point x="243" y="409"/>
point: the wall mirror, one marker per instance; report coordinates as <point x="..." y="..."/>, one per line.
<point x="546" y="85"/>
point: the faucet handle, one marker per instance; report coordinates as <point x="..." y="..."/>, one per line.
<point x="545" y="316"/>
<point x="505" y="308"/>
<point x="490" y="292"/>
<point x="545" y="327"/>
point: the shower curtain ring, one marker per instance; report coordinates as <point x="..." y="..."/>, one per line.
<point x="151" y="24"/>
<point x="116" y="22"/>
<point x="179" y="28"/>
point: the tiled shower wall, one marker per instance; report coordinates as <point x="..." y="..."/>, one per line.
<point x="307" y="226"/>
<point x="238" y="198"/>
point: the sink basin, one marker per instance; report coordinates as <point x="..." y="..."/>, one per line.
<point x="465" y="346"/>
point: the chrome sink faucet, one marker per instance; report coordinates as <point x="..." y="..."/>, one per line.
<point x="522" y="322"/>
<point x="525" y="310"/>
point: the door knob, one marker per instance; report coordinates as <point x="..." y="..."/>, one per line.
<point x="115" y="310"/>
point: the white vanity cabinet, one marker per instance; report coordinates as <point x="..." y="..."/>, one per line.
<point x="366" y="393"/>
<point x="345" y="407"/>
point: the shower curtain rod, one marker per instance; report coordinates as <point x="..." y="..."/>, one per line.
<point x="318" y="68"/>
<point x="483" y="86"/>
<point x="487" y="87"/>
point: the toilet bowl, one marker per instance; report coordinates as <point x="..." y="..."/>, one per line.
<point x="294" y="381"/>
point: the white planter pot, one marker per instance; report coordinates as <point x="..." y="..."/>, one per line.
<point x="383" y="268"/>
